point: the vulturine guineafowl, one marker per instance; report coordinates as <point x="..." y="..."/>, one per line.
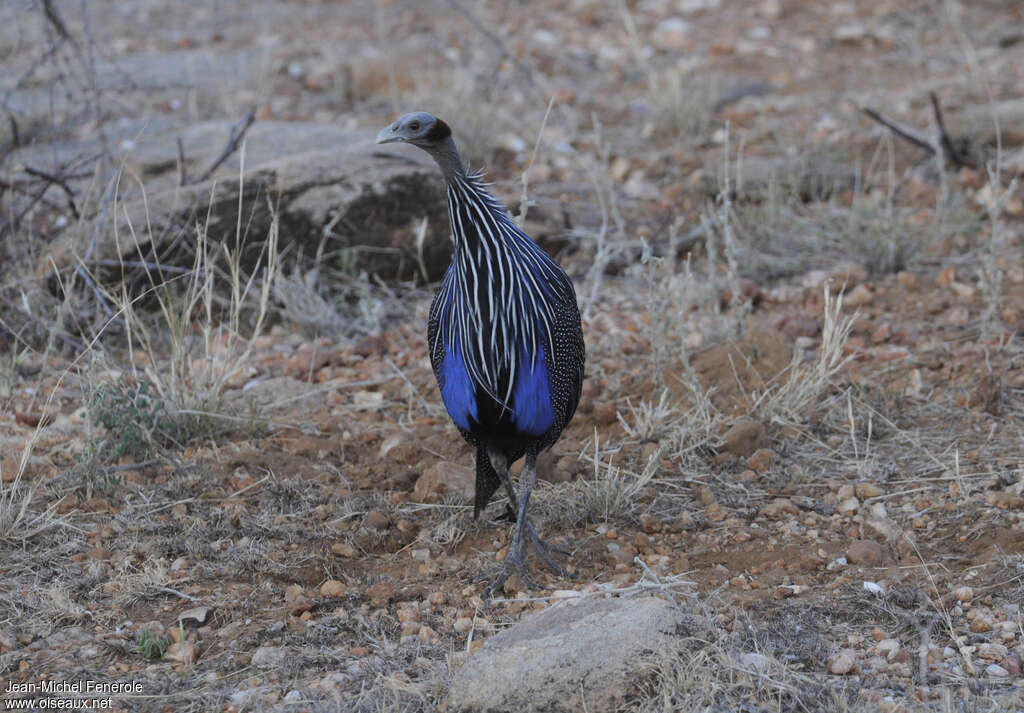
<point x="505" y="338"/>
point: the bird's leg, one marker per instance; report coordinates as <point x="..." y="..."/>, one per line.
<point x="499" y="461"/>
<point x="515" y="560"/>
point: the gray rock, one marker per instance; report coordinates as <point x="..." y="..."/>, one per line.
<point x="583" y="647"/>
<point x="269" y="656"/>
<point x="323" y="182"/>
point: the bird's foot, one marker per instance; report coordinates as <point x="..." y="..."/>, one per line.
<point x="543" y="548"/>
<point x="513" y="564"/>
<point x="516" y="561"/>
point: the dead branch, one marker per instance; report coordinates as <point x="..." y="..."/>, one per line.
<point x="949" y="150"/>
<point x="234" y="141"/>
<point x="950" y="153"/>
<point x="57" y="181"/>
<point x="54" y="18"/>
<point x="902" y="131"/>
<point x="182" y="175"/>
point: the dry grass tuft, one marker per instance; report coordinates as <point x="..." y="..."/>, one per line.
<point x="795" y="393"/>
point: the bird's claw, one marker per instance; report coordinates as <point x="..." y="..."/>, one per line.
<point x="542" y="548"/>
<point x="515" y="563"/>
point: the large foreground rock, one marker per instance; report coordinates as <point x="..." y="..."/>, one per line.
<point x="579" y="648"/>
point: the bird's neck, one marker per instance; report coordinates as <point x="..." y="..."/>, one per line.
<point x="449" y="159"/>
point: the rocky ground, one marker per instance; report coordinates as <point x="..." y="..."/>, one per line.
<point x="795" y="481"/>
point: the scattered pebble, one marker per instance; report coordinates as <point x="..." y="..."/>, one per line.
<point x="332" y="588"/>
<point x="376" y="520"/>
<point x="183" y="653"/>
<point x="343" y="549"/>
<point x="743" y="438"/>
<point x="964" y="593"/>
<point x="843" y="662"/>
<point x="996" y="671"/>
<point x="269" y="656"/>
<point x="380" y="593"/>
<point x="865" y="552"/>
<point x="754" y="662"/>
<point x="761" y="459"/>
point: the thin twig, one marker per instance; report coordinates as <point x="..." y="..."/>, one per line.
<point x="945" y="141"/>
<point x="234" y="141"/>
<point x="144" y="264"/>
<point x="901" y="131"/>
<point x="182" y="175"/>
<point x="949" y="150"/>
<point x="175" y="592"/>
<point x="57" y="21"/>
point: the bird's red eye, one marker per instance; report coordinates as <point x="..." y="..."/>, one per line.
<point x="415" y="126"/>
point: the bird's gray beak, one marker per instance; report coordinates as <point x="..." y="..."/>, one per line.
<point x="387" y="136"/>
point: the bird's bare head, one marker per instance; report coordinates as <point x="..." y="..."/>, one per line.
<point x="418" y="128"/>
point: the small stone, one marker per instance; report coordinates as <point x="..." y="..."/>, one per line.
<point x="409" y="613"/>
<point x="9" y="642"/>
<point x="868" y="490"/>
<point x="888" y="648"/>
<point x="183" y="653"/>
<point x="851" y="32"/>
<point x="865" y="552"/>
<point x="380" y="593"/>
<point x="996" y="671"/>
<point x="714" y="512"/>
<point x="779" y="507"/>
<point x="376" y="520"/>
<point x="444" y="477"/>
<point x="463" y="624"/>
<point x="961" y="290"/>
<point x="293" y="593"/>
<point x="332" y="588"/>
<point x="671" y="34"/>
<point x="964" y="593"/>
<point x="343" y="549"/>
<point x="882" y="333"/>
<point x="650" y="524"/>
<point x="990" y="651"/>
<point x="293" y="696"/>
<point x="848" y="506"/>
<point x="879" y="635"/>
<point x="980" y="625"/>
<point x="859" y="296"/>
<point x="761" y="460"/>
<point x="754" y="662"/>
<point x="605" y="414"/>
<point x="269" y="656"/>
<point x="1012" y="664"/>
<point x="955" y="316"/>
<point x="437" y="598"/>
<point x="197" y="616"/>
<point x="743" y="438"/>
<point x="843" y="662"/>
<point x="427" y="635"/>
<point x="245" y="697"/>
